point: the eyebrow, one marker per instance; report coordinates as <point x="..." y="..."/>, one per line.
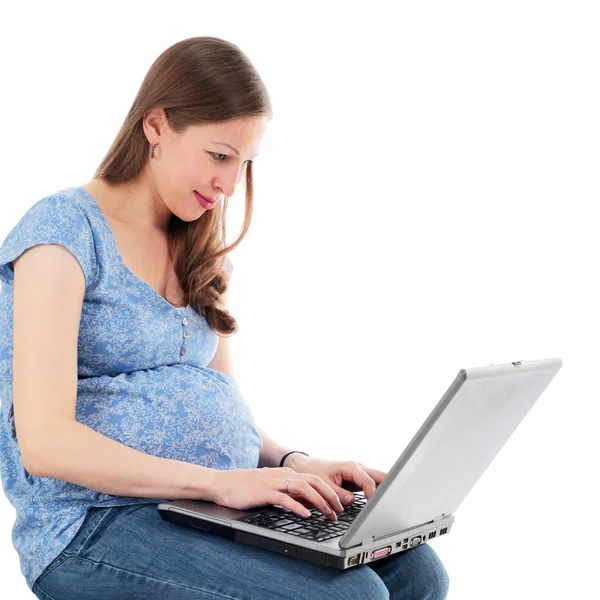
<point x="234" y="149"/>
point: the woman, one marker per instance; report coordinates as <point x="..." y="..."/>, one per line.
<point x="126" y="277"/>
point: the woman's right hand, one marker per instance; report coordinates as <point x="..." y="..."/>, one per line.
<point x="248" y="488"/>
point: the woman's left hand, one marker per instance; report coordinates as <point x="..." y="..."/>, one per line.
<point x="355" y="476"/>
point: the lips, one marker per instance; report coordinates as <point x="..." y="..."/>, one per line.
<point x="209" y="200"/>
<point x="203" y="202"/>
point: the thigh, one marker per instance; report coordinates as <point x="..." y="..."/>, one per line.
<point x="133" y="553"/>
<point x="415" y="574"/>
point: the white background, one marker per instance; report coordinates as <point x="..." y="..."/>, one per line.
<point x="425" y="201"/>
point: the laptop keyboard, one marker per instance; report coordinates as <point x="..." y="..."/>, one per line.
<point x="316" y="528"/>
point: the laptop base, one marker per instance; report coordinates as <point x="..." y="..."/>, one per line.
<point x="327" y="554"/>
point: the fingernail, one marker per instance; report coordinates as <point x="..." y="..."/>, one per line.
<point x="349" y="498"/>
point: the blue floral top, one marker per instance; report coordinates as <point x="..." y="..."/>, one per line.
<point x="142" y="378"/>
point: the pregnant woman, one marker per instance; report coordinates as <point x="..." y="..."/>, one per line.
<point x="116" y="380"/>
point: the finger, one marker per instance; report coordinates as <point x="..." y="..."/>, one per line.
<point x="353" y="472"/>
<point x="287" y="501"/>
<point x="327" y="492"/>
<point x="301" y="486"/>
<point x="377" y="476"/>
<point x="302" y="500"/>
<point x="330" y="496"/>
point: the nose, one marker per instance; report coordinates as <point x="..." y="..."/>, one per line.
<point x="228" y="184"/>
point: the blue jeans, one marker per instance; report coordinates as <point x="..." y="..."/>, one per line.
<point x="131" y="553"/>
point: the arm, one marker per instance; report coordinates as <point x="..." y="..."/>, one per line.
<point x="49" y="289"/>
<point x="271" y="453"/>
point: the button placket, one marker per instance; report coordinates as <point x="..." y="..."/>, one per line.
<point x="185" y="335"/>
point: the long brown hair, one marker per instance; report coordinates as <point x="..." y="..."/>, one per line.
<point x="196" y="81"/>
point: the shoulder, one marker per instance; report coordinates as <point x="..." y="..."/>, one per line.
<point x="60" y="211"/>
<point x="59" y="218"/>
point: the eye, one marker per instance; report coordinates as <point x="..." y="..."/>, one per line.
<point x="215" y="154"/>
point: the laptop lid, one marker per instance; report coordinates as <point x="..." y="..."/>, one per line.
<point x="453" y="447"/>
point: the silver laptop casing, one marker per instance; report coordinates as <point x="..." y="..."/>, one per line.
<point x="416" y="500"/>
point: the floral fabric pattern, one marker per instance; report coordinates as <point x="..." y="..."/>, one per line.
<point x="142" y="378"/>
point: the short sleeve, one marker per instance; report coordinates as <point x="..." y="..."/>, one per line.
<point x="228" y="266"/>
<point x="52" y="220"/>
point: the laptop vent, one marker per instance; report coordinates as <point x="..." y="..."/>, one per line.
<point x="443" y="530"/>
<point x="432" y="534"/>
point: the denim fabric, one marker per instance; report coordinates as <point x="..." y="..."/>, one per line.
<point x="131" y="553"/>
<point x="142" y="378"/>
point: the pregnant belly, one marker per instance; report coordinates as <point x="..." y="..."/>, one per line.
<point x="182" y="412"/>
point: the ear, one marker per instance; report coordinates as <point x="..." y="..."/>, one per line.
<point x="155" y="124"/>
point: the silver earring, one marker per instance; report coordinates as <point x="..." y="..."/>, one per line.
<point x="152" y="155"/>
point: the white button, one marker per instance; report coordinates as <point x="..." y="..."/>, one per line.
<point x="183" y="350"/>
<point x="186" y="334"/>
<point x="184" y="320"/>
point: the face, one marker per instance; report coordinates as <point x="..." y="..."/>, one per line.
<point x="210" y="159"/>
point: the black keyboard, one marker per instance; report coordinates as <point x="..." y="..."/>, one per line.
<point x="316" y="528"/>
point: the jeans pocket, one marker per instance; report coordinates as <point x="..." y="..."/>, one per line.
<point x="97" y="521"/>
<point x="59" y="560"/>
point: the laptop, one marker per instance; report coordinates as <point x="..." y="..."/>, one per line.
<point x="416" y="501"/>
